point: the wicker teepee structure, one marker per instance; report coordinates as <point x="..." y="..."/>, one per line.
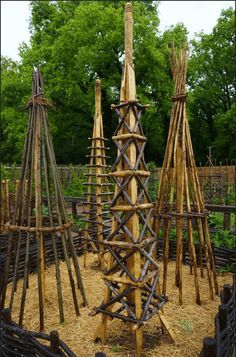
<point x="179" y="197"/>
<point x="132" y="272"/>
<point x="39" y="211"/>
<point x="98" y="222"/>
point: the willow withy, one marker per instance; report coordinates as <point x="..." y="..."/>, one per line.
<point x="39" y="211"/>
<point x="180" y="199"/>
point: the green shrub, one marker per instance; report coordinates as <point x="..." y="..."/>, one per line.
<point x="223" y="239"/>
<point x="75" y="187"/>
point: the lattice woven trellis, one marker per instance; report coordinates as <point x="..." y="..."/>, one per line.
<point x="98" y="222"/>
<point x="39" y="211"/>
<point x="132" y="272"/>
<point x="179" y="197"/>
<point x="212" y="185"/>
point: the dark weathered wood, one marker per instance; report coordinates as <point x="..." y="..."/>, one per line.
<point x="15" y="341"/>
<point x="225" y="326"/>
<point x="227" y="219"/>
<point x="54" y="341"/>
<point x="226" y="294"/>
<point x="209" y="347"/>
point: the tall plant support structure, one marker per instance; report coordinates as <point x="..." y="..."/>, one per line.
<point x="180" y="199"/>
<point x="98" y="222"/>
<point x="132" y="272"/>
<point x="34" y="218"/>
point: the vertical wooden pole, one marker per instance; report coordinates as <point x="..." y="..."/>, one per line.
<point x="7" y="202"/>
<point x="3" y="203"/>
<point x="98" y="163"/>
<point x="38" y="214"/>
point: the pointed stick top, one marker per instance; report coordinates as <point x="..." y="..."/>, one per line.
<point x="97" y="97"/>
<point x="128" y="33"/>
<point x="128" y="7"/>
<point x="37" y="83"/>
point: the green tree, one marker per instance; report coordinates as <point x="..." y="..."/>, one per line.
<point x="76" y="42"/>
<point x="212" y="82"/>
<point x="15" y="90"/>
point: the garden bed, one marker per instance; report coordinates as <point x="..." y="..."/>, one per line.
<point x="190" y="322"/>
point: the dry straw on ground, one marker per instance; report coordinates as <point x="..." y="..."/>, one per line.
<point x="190" y="322"/>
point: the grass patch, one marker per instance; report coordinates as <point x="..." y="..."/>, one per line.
<point x="186" y="326"/>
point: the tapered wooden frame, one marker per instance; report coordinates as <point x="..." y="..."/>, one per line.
<point x="132" y="272"/>
<point x="97" y="220"/>
<point x="179" y="196"/>
<point x="38" y="178"/>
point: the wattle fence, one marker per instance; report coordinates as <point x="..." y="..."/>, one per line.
<point x="16" y="341"/>
<point x="224" y="342"/>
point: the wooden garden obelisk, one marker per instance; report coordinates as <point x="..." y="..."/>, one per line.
<point x="98" y="195"/>
<point x="132" y="273"/>
<point x="180" y="199"/>
<point x="39" y="211"/>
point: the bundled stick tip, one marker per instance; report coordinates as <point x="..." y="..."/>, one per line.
<point x="128" y="7"/>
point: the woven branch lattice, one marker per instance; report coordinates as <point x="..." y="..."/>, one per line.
<point x="98" y="222"/>
<point x="37" y="217"/>
<point x="180" y="199"/>
<point x="132" y="273"/>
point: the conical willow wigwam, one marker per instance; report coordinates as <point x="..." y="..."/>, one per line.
<point x="39" y="211"/>
<point x="180" y="199"/>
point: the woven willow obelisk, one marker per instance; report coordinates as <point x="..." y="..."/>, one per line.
<point x="39" y="211"/>
<point x="180" y="199"/>
<point x="97" y="219"/>
<point x="132" y="272"/>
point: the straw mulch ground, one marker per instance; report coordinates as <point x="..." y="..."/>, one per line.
<point x="190" y="322"/>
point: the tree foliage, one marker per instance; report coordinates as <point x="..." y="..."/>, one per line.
<point x="212" y="83"/>
<point x="74" y="42"/>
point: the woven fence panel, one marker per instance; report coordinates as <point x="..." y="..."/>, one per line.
<point x="15" y="341"/>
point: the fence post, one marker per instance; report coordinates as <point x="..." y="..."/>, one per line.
<point x="209" y="347"/>
<point x="74" y="210"/>
<point x="6" y="314"/>
<point x="227" y="217"/>
<point x="54" y="341"/>
<point x="223" y="316"/>
<point x="226" y="294"/>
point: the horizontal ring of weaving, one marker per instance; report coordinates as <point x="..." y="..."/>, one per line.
<point x="38" y="100"/>
<point x="60" y="228"/>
